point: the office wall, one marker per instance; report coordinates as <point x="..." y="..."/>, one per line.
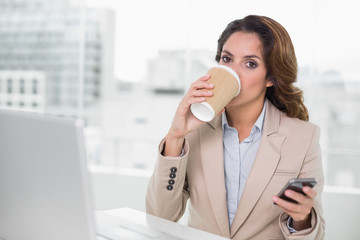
<point x="127" y="188"/>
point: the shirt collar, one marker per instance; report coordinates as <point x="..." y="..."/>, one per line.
<point x="258" y="124"/>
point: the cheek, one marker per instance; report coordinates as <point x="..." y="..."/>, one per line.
<point x="253" y="84"/>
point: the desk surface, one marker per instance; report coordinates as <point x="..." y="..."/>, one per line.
<point x="150" y="225"/>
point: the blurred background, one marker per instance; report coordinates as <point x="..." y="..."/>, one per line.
<point x="123" y="66"/>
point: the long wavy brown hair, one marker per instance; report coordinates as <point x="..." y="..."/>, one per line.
<point x="280" y="62"/>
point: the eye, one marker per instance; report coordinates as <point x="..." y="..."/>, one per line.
<point x="225" y="59"/>
<point x="251" y="64"/>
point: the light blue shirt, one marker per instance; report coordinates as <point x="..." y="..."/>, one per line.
<point x="238" y="160"/>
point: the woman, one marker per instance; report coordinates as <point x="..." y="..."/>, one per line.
<point x="232" y="167"/>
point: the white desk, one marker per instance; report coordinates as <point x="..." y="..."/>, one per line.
<point x="145" y="226"/>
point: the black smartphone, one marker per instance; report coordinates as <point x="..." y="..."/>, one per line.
<point x="296" y="184"/>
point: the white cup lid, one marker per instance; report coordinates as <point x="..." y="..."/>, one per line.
<point x="203" y="111"/>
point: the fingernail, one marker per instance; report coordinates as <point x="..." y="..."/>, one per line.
<point x="288" y="193"/>
<point x="275" y="199"/>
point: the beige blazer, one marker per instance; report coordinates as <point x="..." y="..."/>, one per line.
<point x="289" y="148"/>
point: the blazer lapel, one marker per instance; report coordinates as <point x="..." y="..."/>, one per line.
<point x="213" y="166"/>
<point x="263" y="168"/>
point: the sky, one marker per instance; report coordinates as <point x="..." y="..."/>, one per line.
<point x="323" y="32"/>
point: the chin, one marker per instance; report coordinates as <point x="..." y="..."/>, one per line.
<point x="234" y="102"/>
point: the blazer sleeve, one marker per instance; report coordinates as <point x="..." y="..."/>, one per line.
<point x="162" y="201"/>
<point x="312" y="167"/>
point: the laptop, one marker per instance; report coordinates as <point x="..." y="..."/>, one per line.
<point x="45" y="192"/>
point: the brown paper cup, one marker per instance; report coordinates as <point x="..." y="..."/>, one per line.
<point x="226" y="87"/>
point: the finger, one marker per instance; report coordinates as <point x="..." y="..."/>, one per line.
<point x="202" y="83"/>
<point x="194" y="96"/>
<point x="199" y="96"/>
<point x="299" y="197"/>
<point x="296" y="215"/>
<point x="297" y="211"/>
<point x="185" y="104"/>
<point x="293" y="209"/>
<point x="201" y="93"/>
<point x="205" y="77"/>
<point x="309" y="191"/>
<point x="199" y="85"/>
<point x="196" y="100"/>
<point x="286" y="205"/>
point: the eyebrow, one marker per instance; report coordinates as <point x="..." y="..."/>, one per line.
<point x="247" y="56"/>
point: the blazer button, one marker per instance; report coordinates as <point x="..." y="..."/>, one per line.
<point x="169" y="187"/>
<point x="171" y="181"/>
<point x="173" y="169"/>
<point x="172" y="175"/>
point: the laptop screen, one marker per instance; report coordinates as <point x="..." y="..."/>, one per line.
<point x="43" y="178"/>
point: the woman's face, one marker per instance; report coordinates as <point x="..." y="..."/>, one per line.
<point x="243" y="53"/>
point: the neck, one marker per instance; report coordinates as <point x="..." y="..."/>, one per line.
<point x="244" y="117"/>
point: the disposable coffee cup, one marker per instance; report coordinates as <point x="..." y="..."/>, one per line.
<point x="226" y="87"/>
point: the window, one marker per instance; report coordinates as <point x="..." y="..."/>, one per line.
<point x="136" y="72"/>
<point x="9" y="86"/>
<point x="22" y="86"/>
<point x="34" y="86"/>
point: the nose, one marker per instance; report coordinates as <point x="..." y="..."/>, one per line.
<point x="236" y="69"/>
<point x="230" y="65"/>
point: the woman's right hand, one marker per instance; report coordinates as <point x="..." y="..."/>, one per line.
<point x="184" y="121"/>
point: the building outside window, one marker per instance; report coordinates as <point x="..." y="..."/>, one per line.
<point x="124" y="69"/>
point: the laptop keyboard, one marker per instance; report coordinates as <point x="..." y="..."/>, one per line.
<point x="117" y="228"/>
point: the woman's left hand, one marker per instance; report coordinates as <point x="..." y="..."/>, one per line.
<point x="300" y="212"/>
